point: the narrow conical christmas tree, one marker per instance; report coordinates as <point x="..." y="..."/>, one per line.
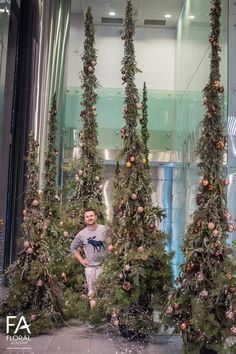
<point x="89" y="176"/>
<point x="33" y="292"/>
<point x="55" y="235"/>
<point x="144" y="121"/>
<point x="203" y="306"/>
<point x="138" y="272"/>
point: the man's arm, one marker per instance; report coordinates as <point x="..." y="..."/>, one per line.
<point x="75" y="251"/>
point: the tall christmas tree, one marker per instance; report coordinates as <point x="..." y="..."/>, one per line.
<point x="138" y="272"/>
<point x="33" y="292"/>
<point x="89" y="176"/>
<point x="203" y="306"/>
<point x="56" y="237"/>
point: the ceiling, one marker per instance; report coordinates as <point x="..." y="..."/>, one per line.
<point x="144" y="10"/>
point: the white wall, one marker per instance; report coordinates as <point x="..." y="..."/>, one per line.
<point x="155" y="55"/>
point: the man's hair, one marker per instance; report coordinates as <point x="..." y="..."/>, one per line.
<point x="90" y="209"/>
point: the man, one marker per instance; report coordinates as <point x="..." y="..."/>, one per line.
<point x="92" y="239"/>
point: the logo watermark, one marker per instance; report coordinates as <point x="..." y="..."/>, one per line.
<point x="16" y="325"/>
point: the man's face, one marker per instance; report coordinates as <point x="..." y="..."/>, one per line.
<point x="90" y="218"/>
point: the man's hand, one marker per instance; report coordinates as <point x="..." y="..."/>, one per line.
<point x="84" y="262"/>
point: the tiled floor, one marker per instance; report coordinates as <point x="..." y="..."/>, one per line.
<point x="81" y="339"/>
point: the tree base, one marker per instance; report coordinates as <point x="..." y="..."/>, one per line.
<point x="130" y="334"/>
<point x="208" y="351"/>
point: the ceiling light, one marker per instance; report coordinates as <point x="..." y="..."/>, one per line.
<point x="191" y="17"/>
<point x="167" y="16"/>
<point x="112" y="13"/>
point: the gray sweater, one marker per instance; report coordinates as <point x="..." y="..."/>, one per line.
<point x="93" y="243"/>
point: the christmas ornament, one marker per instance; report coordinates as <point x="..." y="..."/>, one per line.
<point x="127" y="268"/>
<point x="61" y="223"/>
<point x="26" y="244"/>
<point x="230" y="227"/>
<point x="200" y="277"/>
<point x="229" y="275"/>
<point x="226" y="182"/>
<point x="203" y="294"/>
<point x="133" y="196"/>
<point x="232" y="289"/>
<point x="229" y="314"/>
<point x="169" y="310"/>
<point x="39" y="283"/>
<point x="93" y="108"/>
<point x="93" y="62"/>
<point x="215" y="233"/>
<point x="33" y="317"/>
<point x="127" y="286"/>
<point x="30" y="250"/>
<point x="139" y="105"/>
<point x="24" y="212"/>
<point x="90" y="69"/>
<point x="220" y="145"/>
<point x="65" y="233"/>
<point x="132" y="158"/>
<point x="80" y="173"/>
<point x="110" y="248"/>
<point x="183" y="326"/>
<point x="97" y="179"/>
<point x="140" y="249"/>
<point x="128" y="164"/>
<point x="205" y="182"/>
<point x="211" y="225"/>
<point x="233" y="330"/>
<point x="35" y="202"/>
<point x="140" y="209"/>
<point x="40" y="192"/>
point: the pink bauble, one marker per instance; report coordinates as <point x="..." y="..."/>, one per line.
<point x="24" y="212"/>
<point x="230" y="227"/>
<point x="26" y="244"/>
<point x="90" y="69"/>
<point x="110" y="248"/>
<point x="80" y="173"/>
<point x="141" y="249"/>
<point x="215" y="233"/>
<point x="30" y="250"/>
<point x="226" y="182"/>
<point x="35" y="202"/>
<point x="39" y="283"/>
<point x="229" y="314"/>
<point x="132" y="158"/>
<point x="127" y="268"/>
<point x="140" y="209"/>
<point x="133" y="196"/>
<point x="211" y="225"/>
<point x="65" y="233"/>
<point x="205" y="182"/>
<point x="93" y="108"/>
<point x="139" y="105"/>
<point x="33" y="317"/>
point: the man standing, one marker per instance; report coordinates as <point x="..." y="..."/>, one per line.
<point x="92" y="240"/>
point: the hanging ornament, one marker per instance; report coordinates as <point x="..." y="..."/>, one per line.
<point x="221" y="89"/>
<point x="24" y="212"/>
<point x="229" y="276"/>
<point x="140" y="209"/>
<point x="205" y="182"/>
<point x="227" y="215"/>
<point x="226" y="182"/>
<point x="93" y="62"/>
<point x="215" y="233"/>
<point x="33" y="317"/>
<point x="220" y="145"/>
<point x="128" y="164"/>
<point x="144" y="161"/>
<point x="233" y="330"/>
<point x="26" y="244"/>
<point x="35" y="202"/>
<point x="211" y="225"/>
<point x="30" y="250"/>
<point x="39" y="283"/>
<point x="229" y="314"/>
<point x="203" y="294"/>
<point x="97" y="179"/>
<point x="132" y="158"/>
<point x="127" y="286"/>
<point x="200" y="277"/>
<point x="110" y="248"/>
<point x="65" y="233"/>
<point x="232" y="289"/>
<point x="40" y="192"/>
<point x="90" y="69"/>
<point x="57" y="198"/>
<point x="141" y="249"/>
<point x="139" y="105"/>
<point x="77" y="178"/>
<point x="230" y="227"/>
<point x="127" y="268"/>
<point x="133" y="196"/>
<point x="80" y="173"/>
<point x="169" y="310"/>
<point x="183" y="326"/>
